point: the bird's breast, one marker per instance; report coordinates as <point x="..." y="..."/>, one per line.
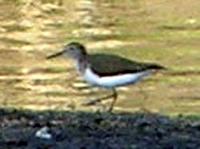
<point x="91" y="77"/>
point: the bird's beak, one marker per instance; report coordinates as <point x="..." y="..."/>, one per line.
<point x="54" y="55"/>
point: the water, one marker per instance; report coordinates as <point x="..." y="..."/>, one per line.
<point x="161" y="31"/>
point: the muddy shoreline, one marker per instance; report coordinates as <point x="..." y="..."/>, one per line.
<point x="75" y="130"/>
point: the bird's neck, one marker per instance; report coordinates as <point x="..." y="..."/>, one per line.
<point x="82" y="64"/>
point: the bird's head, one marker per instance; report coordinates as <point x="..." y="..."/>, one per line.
<point x="73" y="50"/>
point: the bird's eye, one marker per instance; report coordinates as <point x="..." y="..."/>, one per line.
<point x="71" y="48"/>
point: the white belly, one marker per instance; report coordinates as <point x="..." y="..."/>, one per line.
<point x="113" y="81"/>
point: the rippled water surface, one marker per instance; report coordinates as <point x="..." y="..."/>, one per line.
<point x="165" y="32"/>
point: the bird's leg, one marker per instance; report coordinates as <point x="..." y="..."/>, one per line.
<point x="114" y="95"/>
<point x="93" y="102"/>
<point x="84" y="87"/>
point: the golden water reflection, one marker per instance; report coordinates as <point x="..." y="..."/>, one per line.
<point x="156" y="31"/>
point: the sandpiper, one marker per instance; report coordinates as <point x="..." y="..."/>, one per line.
<point x="106" y="70"/>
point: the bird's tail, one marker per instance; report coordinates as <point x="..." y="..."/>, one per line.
<point x="157" y="67"/>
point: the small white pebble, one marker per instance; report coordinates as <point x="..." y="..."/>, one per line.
<point x="43" y="133"/>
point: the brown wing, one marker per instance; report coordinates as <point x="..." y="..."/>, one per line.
<point x="108" y="65"/>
